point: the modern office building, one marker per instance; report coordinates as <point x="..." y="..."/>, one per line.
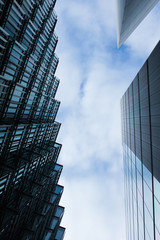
<point x="140" y="107"/>
<point x="130" y="13"/>
<point x="29" y="172"/>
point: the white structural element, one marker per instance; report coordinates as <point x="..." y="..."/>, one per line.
<point x="129" y="15"/>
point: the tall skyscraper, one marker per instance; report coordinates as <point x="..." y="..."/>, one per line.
<point x="29" y="172"/>
<point x="130" y="13"/>
<point x="141" y="147"/>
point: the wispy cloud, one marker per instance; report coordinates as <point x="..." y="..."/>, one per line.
<point x="92" y="203"/>
<point x="94" y="75"/>
<point x="145" y="37"/>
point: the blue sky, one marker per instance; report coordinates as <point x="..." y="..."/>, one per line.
<point x="94" y="74"/>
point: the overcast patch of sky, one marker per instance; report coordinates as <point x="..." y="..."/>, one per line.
<point x="94" y="75"/>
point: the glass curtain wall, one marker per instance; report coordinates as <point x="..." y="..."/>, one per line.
<point x="29" y="172"/>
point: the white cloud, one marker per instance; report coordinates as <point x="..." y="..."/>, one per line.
<point x="93" y="203"/>
<point x="94" y="75"/>
<point x="70" y="80"/>
<point x="146" y="36"/>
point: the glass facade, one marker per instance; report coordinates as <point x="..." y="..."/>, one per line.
<point x="29" y="172"/>
<point x="140" y="107"/>
<point x="130" y="13"/>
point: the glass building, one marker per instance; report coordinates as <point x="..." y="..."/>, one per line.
<point x="29" y="172"/>
<point x="140" y="107"/>
<point x="130" y="13"/>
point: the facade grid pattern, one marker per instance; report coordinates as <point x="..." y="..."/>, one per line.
<point x="140" y="107"/>
<point x="29" y="172"/>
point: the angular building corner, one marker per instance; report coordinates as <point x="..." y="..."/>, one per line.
<point x="140" y="108"/>
<point x="130" y="14"/>
<point x="29" y="172"/>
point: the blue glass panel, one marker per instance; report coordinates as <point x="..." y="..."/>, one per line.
<point x="135" y="219"/>
<point x="147" y="176"/>
<point x="53" y="223"/>
<point x="148" y="198"/>
<point x="149" y="235"/>
<point x="156" y="189"/>
<point x="140" y="216"/>
<point x="57" y="167"/>
<point x="139" y="165"/>
<point x="58" y="189"/>
<point x="59" y="211"/>
<point x="157" y="234"/>
<point x="48" y="235"/>
<point x="53" y="197"/>
<point x="60" y="233"/>
<point x="157" y="216"/>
